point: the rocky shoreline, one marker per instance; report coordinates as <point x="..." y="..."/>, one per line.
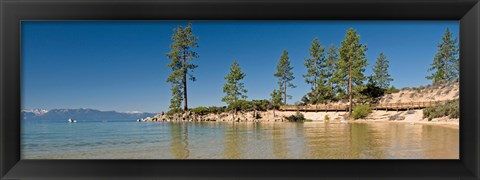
<point x="251" y="116"/>
<point x="413" y="117"/>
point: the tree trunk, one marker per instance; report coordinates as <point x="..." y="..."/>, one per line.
<point x="445" y="70"/>
<point x="285" y="95"/>
<point x="350" y="91"/>
<point x="332" y="93"/>
<point x="233" y="115"/>
<point x="315" y="81"/>
<point x="185" y="99"/>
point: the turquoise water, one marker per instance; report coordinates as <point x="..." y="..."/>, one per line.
<point x="222" y="140"/>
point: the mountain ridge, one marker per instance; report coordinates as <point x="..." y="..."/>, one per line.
<point x="86" y="114"/>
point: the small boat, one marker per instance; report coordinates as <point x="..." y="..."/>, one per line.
<point x="70" y="120"/>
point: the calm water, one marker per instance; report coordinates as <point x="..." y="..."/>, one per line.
<point x="215" y="140"/>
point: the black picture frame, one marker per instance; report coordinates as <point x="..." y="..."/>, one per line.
<point x="12" y="12"/>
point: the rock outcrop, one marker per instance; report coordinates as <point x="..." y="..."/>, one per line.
<point x="252" y="116"/>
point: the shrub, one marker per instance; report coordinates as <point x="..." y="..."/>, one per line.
<point x="305" y="100"/>
<point x="200" y="110"/>
<point x="243" y="105"/>
<point x="296" y="117"/>
<point x="361" y="111"/>
<point x="372" y="93"/>
<point x="454" y="109"/>
<point x="392" y="89"/>
<point x="175" y="111"/>
<point x="450" y="109"/>
<point x="216" y="110"/>
<point x="207" y="110"/>
<point x="261" y="105"/>
<point x="240" y="105"/>
<point x="326" y="117"/>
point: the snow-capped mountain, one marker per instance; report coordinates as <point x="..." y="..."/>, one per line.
<point x="134" y="112"/>
<point x="35" y="111"/>
<point x="82" y="114"/>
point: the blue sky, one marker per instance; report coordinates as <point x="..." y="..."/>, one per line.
<point x="121" y="65"/>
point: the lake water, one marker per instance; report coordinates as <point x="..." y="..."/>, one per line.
<point x="226" y="140"/>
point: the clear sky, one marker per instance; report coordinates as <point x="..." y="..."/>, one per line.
<point x="121" y="65"/>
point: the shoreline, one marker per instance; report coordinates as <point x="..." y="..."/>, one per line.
<point x="447" y="124"/>
<point x="376" y="116"/>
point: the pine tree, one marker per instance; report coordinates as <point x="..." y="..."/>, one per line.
<point x="315" y="69"/>
<point x="381" y="77"/>
<point x="181" y="55"/>
<point x="351" y="66"/>
<point x="234" y="89"/>
<point x="285" y="75"/>
<point x="177" y="98"/>
<point x="446" y="62"/>
<point x="332" y="58"/>
<point x="276" y="99"/>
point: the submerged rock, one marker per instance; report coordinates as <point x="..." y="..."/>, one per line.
<point x="396" y="117"/>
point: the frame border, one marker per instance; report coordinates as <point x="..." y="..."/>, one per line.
<point x="12" y="12"/>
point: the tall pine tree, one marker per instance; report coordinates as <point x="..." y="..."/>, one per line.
<point x="285" y="75"/>
<point x="234" y="89"/>
<point x="351" y="66"/>
<point x="446" y="62"/>
<point x="381" y="77"/>
<point x="181" y="55"/>
<point x="315" y="70"/>
<point x="332" y="58"/>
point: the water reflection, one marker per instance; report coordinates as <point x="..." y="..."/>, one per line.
<point x="232" y="142"/>
<point x="179" y="144"/>
<point x="279" y="141"/>
<point x="311" y="140"/>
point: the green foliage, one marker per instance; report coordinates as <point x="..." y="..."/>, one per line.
<point x="450" y="109"/>
<point x="373" y="92"/>
<point x="285" y="75"/>
<point x="319" y="74"/>
<point x="316" y="71"/>
<point x="261" y="105"/>
<point x="177" y="95"/>
<point x="361" y="111"/>
<point x="331" y="87"/>
<point x="305" y="100"/>
<point x="181" y="55"/>
<point x="351" y="65"/>
<point x="381" y="76"/>
<point x="208" y="110"/>
<point x="276" y="98"/>
<point x="392" y="89"/>
<point x="234" y="89"/>
<point x="216" y="109"/>
<point x="200" y="110"/>
<point x="315" y="64"/>
<point x="296" y="117"/>
<point x="326" y="117"/>
<point x="243" y="105"/>
<point x="446" y="62"/>
<point x="175" y="111"/>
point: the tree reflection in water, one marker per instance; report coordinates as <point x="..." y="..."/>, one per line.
<point x="179" y="145"/>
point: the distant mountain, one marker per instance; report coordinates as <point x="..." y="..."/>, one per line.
<point x="82" y="115"/>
